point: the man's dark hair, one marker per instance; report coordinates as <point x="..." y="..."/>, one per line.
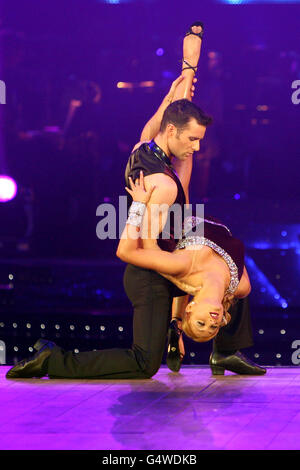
<point x="180" y="112"/>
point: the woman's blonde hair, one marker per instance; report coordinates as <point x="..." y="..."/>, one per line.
<point x="227" y="302"/>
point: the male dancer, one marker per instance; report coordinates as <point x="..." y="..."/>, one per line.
<point x="238" y="334"/>
<point x="181" y="130"/>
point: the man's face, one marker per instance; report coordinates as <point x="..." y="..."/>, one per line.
<point x="182" y="144"/>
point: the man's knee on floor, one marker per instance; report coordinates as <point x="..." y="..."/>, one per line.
<point x="149" y="363"/>
<point x="150" y="370"/>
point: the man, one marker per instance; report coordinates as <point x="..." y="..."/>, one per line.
<point x="183" y="127"/>
<point x="152" y="295"/>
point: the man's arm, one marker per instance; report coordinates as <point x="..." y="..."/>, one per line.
<point x="183" y="169"/>
<point x="152" y="127"/>
<point x="162" y="198"/>
<point x="244" y="287"/>
<point x="179" y="306"/>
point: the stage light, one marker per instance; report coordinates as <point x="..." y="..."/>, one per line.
<point x="240" y="107"/>
<point x="284" y="233"/>
<point x="160" y="51"/>
<point x="234" y="2"/>
<point x="262" y="107"/>
<point x="168" y="74"/>
<point x="147" y="84"/>
<point x="124" y="85"/>
<point x="262" y="279"/>
<point x="8" y="188"/>
<point x="240" y="2"/>
<point x="237" y="196"/>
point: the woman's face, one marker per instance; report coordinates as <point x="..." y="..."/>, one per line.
<point x="205" y="318"/>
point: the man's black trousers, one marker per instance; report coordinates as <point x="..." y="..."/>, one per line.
<point x="151" y="297"/>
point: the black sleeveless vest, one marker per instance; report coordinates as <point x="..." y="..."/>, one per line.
<point x="150" y="158"/>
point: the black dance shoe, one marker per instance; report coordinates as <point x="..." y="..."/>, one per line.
<point x="237" y="363"/>
<point x="35" y="366"/>
<point x="174" y="356"/>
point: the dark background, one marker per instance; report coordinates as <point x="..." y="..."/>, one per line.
<point x="247" y="172"/>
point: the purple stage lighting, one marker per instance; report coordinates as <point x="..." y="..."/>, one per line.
<point x="8" y="188"/>
<point x="160" y="51"/>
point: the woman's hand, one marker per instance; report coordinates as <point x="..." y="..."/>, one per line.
<point x="138" y="191"/>
<point x="169" y="97"/>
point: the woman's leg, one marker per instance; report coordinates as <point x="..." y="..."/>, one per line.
<point x="182" y="87"/>
<point x="191" y="54"/>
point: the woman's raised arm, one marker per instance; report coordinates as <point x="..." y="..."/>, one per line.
<point x="129" y="248"/>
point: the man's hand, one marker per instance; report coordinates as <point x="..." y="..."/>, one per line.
<point x="169" y="97"/>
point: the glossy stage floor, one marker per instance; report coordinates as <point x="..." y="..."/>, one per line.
<point x="187" y="410"/>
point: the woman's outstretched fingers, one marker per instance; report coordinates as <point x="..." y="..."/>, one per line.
<point x="142" y="180"/>
<point x="131" y="182"/>
<point x="129" y="191"/>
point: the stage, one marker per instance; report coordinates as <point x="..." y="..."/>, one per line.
<point x="187" y="410"/>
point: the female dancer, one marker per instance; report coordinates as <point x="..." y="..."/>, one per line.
<point x="207" y="263"/>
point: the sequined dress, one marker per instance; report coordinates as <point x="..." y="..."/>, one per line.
<point x="212" y="233"/>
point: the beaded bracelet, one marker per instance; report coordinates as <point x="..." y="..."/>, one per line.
<point x="136" y="213"/>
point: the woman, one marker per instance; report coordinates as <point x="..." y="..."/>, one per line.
<point x="208" y="263"/>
